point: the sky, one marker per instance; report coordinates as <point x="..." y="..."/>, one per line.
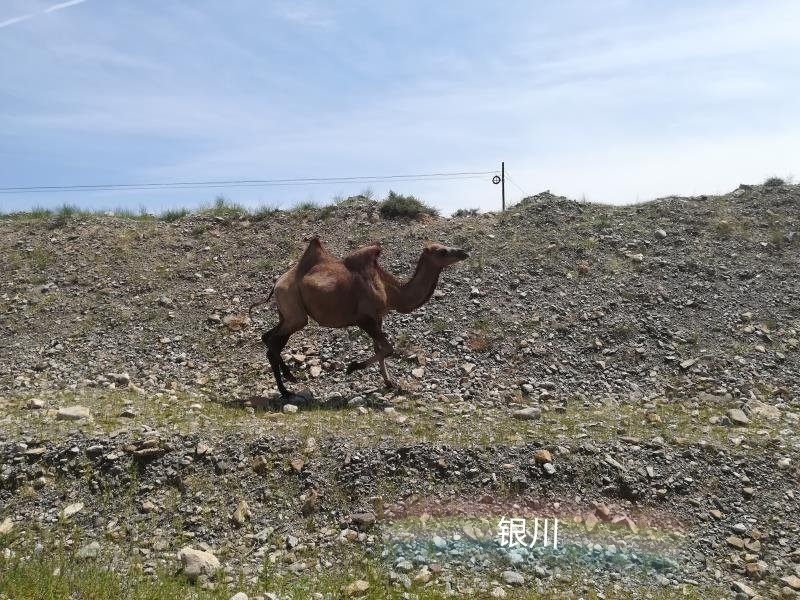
<point x="612" y="101"/>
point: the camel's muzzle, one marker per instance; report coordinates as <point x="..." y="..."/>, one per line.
<point x="460" y="254"/>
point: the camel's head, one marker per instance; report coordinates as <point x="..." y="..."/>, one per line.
<point x="444" y="256"/>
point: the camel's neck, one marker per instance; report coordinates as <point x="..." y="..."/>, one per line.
<point x="407" y="296"/>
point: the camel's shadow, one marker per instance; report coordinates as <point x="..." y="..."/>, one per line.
<point x="303" y="400"/>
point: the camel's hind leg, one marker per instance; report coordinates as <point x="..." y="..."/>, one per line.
<point x="275" y="340"/>
<point x="383" y="350"/>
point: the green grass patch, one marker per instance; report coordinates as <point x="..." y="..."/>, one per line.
<point x="398" y="206"/>
<point x="466" y="212"/>
<point x="173" y="214"/>
<point x="222" y="207"/>
<point x="264" y="212"/>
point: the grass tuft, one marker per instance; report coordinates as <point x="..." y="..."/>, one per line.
<point x="223" y="207"/>
<point x="774" y="182"/>
<point x="173" y="214"/>
<point x="398" y="206"/>
<point x="466" y="212"/>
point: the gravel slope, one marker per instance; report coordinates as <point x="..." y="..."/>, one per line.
<point x="632" y="371"/>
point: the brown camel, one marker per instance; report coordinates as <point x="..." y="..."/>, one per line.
<point x="353" y="290"/>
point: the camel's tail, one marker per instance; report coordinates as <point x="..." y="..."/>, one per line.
<point x="259" y="303"/>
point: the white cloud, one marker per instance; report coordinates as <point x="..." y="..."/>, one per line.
<point x="54" y="8"/>
<point x="305" y="14"/>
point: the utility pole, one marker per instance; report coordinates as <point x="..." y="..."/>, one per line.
<point x="503" y="183"/>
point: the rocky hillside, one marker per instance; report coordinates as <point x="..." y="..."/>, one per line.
<point x="633" y="371"/>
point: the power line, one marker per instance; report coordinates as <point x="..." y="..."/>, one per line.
<point x="245" y="183"/>
<point x="515" y="185"/>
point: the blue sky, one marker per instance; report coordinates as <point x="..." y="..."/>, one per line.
<point x="613" y="101"/>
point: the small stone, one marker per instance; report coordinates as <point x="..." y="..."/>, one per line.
<point x="549" y="468"/>
<point x="309" y="502"/>
<point x="73" y="413"/>
<point x="423" y="576"/>
<point x="793" y="581"/>
<point x="755" y="570"/>
<point x="241" y="514"/>
<point x="542" y="456"/>
<point x="121" y="379"/>
<point x="418" y="373"/>
<point x="315" y="371"/>
<point x="235" y="322"/>
<point x="290" y="408"/>
<point x="735" y="542"/>
<point x="742" y="587"/>
<point x="498" y="592"/>
<point x="239" y="596"/>
<point x="72" y="509"/>
<point x="591" y="522"/>
<point x="467" y="368"/>
<point x="660" y="233"/>
<point x="363" y="521"/>
<point x="603" y="512"/>
<point x="35" y="404"/>
<point x="6" y="526"/>
<point x="260" y="464"/>
<point x="513" y="578"/>
<point x="148" y="507"/>
<point x="197" y="562"/>
<point x="762" y="409"/>
<point x="737" y="417"/>
<point x="405" y="566"/>
<point x="91" y="550"/>
<point x="527" y="414"/>
<point x="738" y="529"/>
<point x="753" y="546"/>
<point x="439" y="542"/>
<point x="356" y="588"/>
<point x="298" y="464"/>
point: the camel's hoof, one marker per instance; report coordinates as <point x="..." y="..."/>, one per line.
<point x="353" y="366"/>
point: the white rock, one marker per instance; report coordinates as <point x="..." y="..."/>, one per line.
<point x="72" y="509"/>
<point x="197" y="562"/>
<point x="73" y="413"/>
<point x="6" y="526"/>
<point x="91" y="550"/>
<point x="290" y="408"/>
<point x="513" y="578"/>
<point x="527" y="414"/>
